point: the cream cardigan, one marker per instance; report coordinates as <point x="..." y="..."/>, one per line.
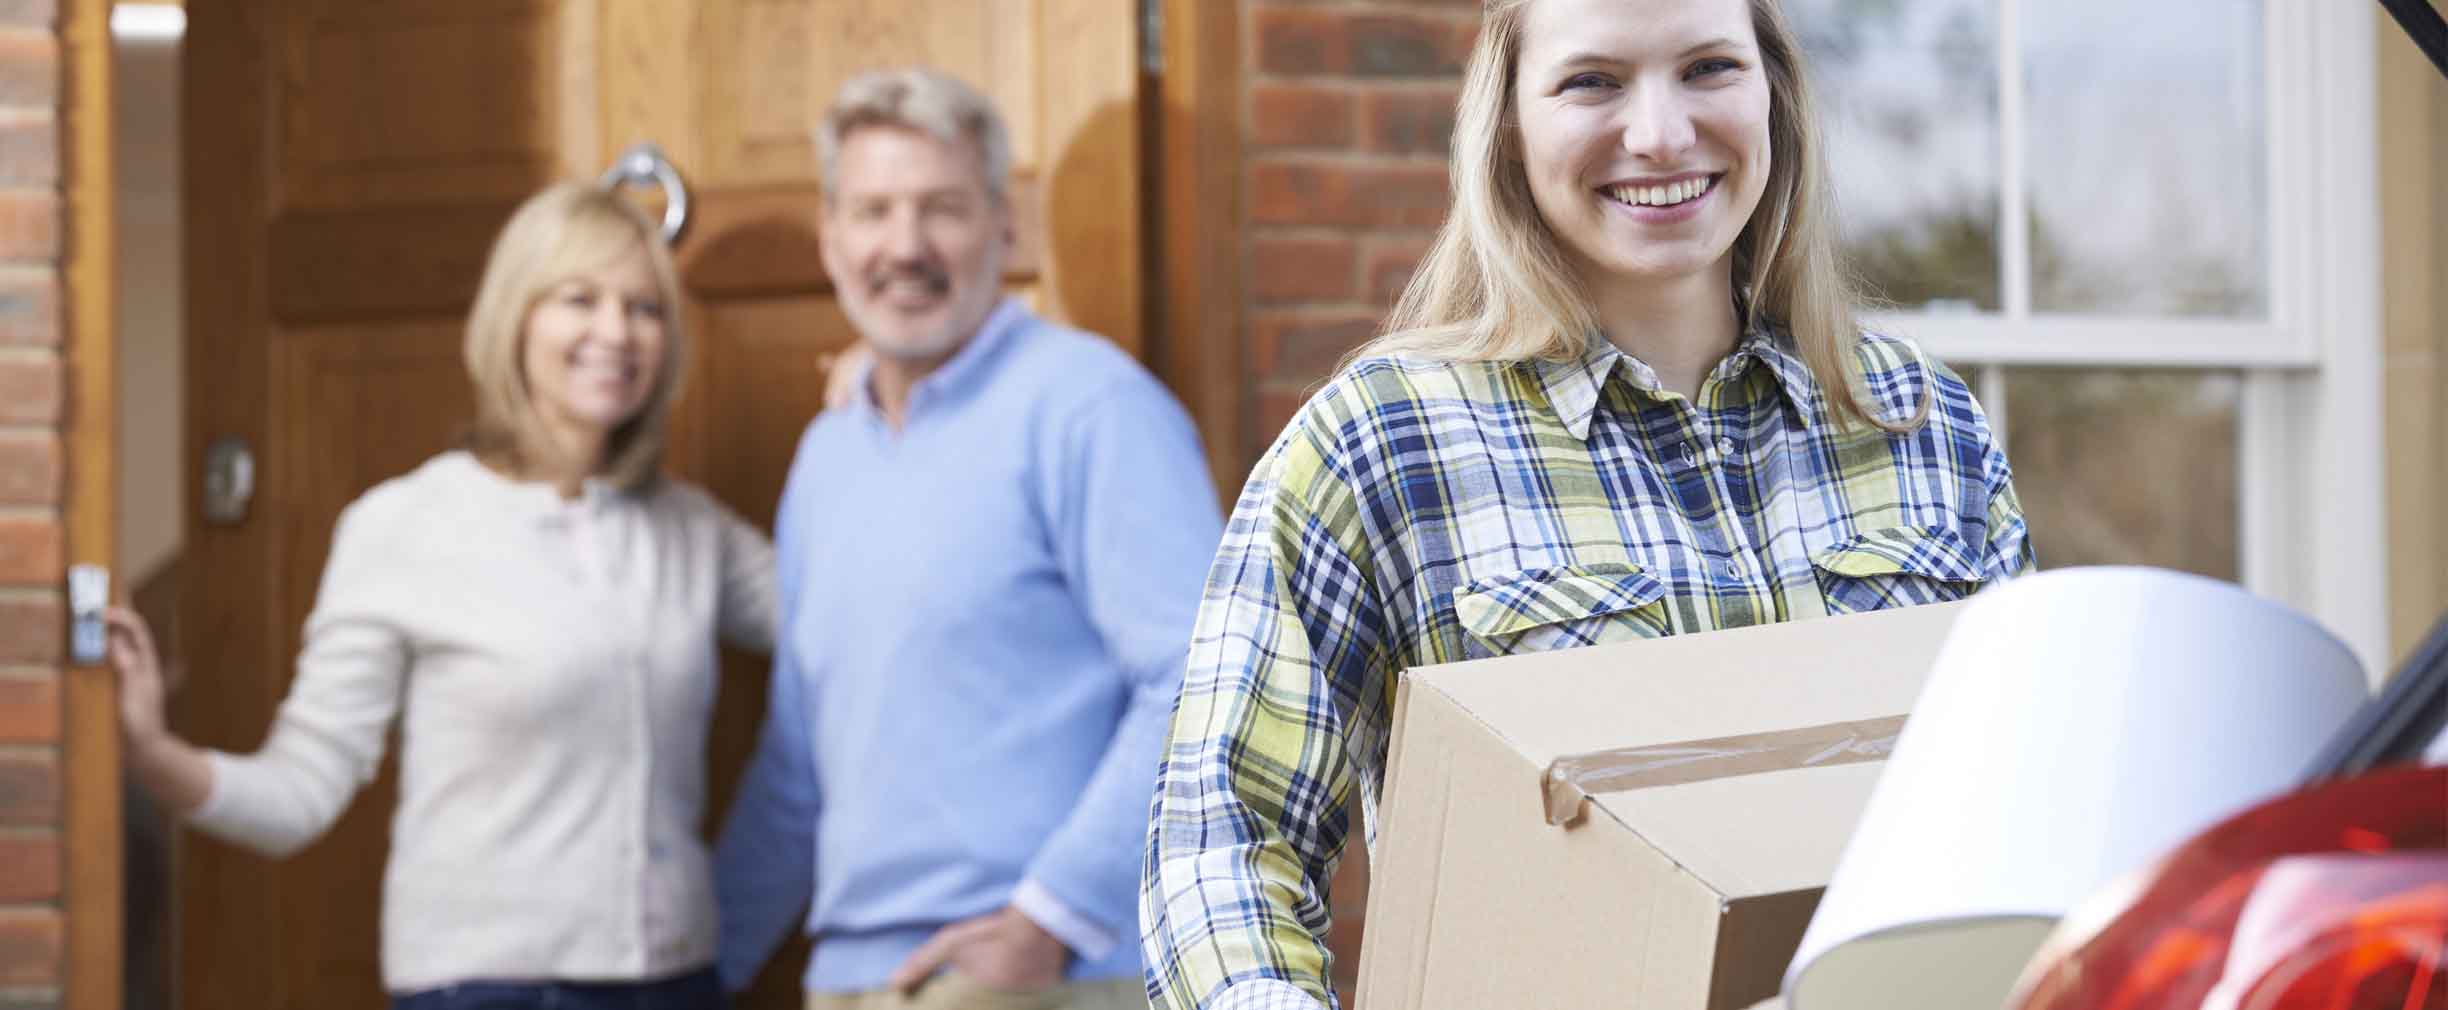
<point x="558" y="663"/>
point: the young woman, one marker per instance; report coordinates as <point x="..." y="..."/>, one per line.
<point x="547" y="607"/>
<point x="1624" y="396"/>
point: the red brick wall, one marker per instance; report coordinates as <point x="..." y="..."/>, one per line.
<point x="32" y="473"/>
<point x="1348" y="106"/>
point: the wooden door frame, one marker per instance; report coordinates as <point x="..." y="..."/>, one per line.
<point x="90" y="839"/>
<point x="1195" y="341"/>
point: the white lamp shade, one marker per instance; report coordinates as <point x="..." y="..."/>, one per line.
<point x="2077" y="725"/>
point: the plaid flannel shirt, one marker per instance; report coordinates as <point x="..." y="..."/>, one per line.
<point x="1421" y="512"/>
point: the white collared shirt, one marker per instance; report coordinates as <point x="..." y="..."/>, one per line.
<point x="558" y="663"/>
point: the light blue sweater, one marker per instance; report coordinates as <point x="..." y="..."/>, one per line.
<point x="982" y="624"/>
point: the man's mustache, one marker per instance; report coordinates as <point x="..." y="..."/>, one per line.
<point x="934" y="277"/>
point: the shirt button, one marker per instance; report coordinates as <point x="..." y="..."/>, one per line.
<point x="1725" y="447"/>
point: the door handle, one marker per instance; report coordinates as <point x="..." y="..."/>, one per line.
<point x="644" y="164"/>
<point x="229" y="480"/>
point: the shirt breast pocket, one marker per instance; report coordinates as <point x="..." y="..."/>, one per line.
<point x="1901" y="566"/>
<point x="1562" y="607"/>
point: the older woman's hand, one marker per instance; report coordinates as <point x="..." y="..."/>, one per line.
<point x="173" y="770"/>
<point x="842" y="375"/>
<point x="141" y="693"/>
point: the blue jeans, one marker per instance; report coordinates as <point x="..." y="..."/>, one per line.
<point x="696" y="991"/>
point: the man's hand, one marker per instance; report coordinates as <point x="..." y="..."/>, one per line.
<point x="1003" y="950"/>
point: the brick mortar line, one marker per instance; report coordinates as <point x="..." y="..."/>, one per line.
<point x="23" y="591"/>
<point x="28" y="672"/>
<point x="1305" y="233"/>
<point x="1424" y="84"/>
<point x="9" y="750"/>
<point x="28" y="512"/>
<point x="21" y="270"/>
<point x="21" y="352"/>
<point x="1322" y="308"/>
<point x="1355" y="232"/>
<point x="1397" y="157"/>
<point x="1410" y="11"/>
<point x="1457" y="16"/>
<point x="21" y="833"/>
<point x="1359" y="83"/>
<point x="1347" y="158"/>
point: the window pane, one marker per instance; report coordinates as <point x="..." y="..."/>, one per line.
<point x="1908" y="94"/>
<point x="2127" y="466"/>
<point x="2144" y="147"/>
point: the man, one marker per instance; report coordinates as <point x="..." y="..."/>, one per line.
<point x="989" y="560"/>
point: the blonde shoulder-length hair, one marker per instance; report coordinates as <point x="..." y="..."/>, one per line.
<point x="567" y="230"/>
<point x="1495" y="286"/>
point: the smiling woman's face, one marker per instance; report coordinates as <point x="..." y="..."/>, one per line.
<point x="1643" y="131"/>
<point x="593" y="347"/>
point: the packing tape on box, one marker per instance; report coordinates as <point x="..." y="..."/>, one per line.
<point x="1575" y="778"/>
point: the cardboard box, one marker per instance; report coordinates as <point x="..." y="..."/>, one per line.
<point x="1718" y="775"/>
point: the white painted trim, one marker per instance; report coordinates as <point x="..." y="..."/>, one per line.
<point x="2269" y="492"/>
<point x="1990" y="387"/>
<point x="2288" y="113"/>
<point x="2347" y="474"/>
<point x="2014" y="199"/>
<point x="2138" y="342"/>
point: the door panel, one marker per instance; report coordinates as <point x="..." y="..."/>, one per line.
<point x="360" y="157"/>
<point x="416" y="103"/>
<point x="358" y="404"/>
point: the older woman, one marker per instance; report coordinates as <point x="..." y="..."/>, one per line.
<point x="1625" y="396"/>
<point x="547" y="606"/>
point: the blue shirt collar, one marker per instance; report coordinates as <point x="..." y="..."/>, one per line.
<point x="971" y="363"/>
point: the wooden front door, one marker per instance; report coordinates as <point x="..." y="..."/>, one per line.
<point x="347" y="164"/>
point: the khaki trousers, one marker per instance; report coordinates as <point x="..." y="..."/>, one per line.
<point x="951" y="991"/>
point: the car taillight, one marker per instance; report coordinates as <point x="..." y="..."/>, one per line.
<point x="2335" y="898"/>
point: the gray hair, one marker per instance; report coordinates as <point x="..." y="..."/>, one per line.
<point x="928" y="101"/>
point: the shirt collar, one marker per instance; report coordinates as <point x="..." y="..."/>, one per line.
<point x="965" y="366"/>
<point x="1776" y="350"/>
<point x="1573" y="384"/>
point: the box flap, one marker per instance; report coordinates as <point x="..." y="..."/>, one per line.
<point x="1747" y="834"/>
<point x="1474" y="901"/>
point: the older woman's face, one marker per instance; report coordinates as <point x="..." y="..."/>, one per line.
<point x="593" y="346"/>
<point x="1644" y="131"/>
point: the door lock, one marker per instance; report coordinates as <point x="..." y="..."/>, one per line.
<point x="229" y="480"/>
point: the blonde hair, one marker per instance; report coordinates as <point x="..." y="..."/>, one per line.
<point x="927" y="101"/>
<point x="566" y="230"/>
<point x="1495" y="286"/>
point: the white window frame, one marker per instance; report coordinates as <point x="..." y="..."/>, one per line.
<point x="2310" y="496"/>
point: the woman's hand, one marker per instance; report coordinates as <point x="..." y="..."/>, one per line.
<point x="843" y="373"/>
<point x="142" y="697"/>
<point x="173" y="770"/>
